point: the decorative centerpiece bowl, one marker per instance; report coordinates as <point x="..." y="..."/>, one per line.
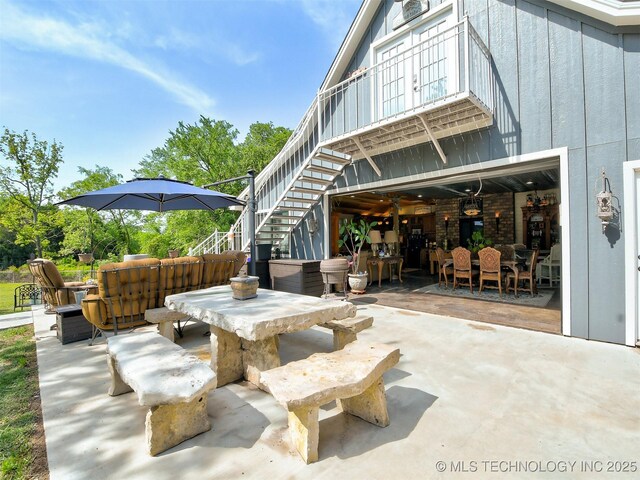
<point x="244" y="287"/>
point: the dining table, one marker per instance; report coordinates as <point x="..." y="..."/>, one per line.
<point x="244" y="333"/>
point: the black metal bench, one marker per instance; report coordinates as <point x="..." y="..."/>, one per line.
<point x="26" y="295"/>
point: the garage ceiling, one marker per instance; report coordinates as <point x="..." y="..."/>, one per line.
<point x="379" y="203"/>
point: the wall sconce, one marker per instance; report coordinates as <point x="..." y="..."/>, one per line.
<point x="603" y="200"/>
<point x="446" y="222"/>
<point x="312" y="225"/>
<point x="498" y="223"/>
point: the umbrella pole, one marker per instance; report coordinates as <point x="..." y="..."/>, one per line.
<point x="252" y="221"/>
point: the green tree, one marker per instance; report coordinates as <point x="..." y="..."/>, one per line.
<point x="101" y="233"/>
<point x="27" y="174"/>
<point x="262" y="144"/>
<point x="11" y="254"/>
<point x="203" y="153"/>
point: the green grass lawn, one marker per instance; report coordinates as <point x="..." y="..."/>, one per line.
<point x="21" y="453"/>
<point x="6" y="298"/>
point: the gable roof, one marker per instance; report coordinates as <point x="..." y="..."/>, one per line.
<point x="614" y="12"/>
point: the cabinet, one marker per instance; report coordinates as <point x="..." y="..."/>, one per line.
<point x="296" y="276"/>
<point x="540" y="227"/>
<point x="425" y="223"/>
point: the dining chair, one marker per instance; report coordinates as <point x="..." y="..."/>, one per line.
<point x="549" y="267"/>
<point x="490" y="268"/>
<point x="524" y="276"/>
<point x="443" y="270"/>
<point x="462" y="268"/>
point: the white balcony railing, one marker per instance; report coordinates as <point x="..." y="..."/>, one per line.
<point x="449" y="65"/>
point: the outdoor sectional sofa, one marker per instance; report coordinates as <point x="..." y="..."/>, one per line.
<point x="127" y="289"/>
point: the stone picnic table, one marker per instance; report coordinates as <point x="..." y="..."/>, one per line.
<point x="244" y="333"/>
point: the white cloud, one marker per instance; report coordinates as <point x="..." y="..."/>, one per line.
<point x="176" y="39"/>
<point x="330" y="15"/>
<point x="87" y="40"/>
<point x="238" y="55"/>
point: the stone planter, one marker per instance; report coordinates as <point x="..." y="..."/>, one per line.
<point x="244" y="287"/>
<point x="358" y="282"/>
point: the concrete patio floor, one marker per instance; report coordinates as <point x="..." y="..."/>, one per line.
<point x="463" y="393"/>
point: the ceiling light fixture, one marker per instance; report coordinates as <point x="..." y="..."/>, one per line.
<point x="471" y="207"/>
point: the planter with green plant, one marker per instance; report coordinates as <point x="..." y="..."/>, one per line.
<point x="353" y="235"/>
<point x="478" y="241"/>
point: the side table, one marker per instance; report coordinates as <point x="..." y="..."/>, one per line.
<point x="380" y="262"/>
<point x="72" y="326"/>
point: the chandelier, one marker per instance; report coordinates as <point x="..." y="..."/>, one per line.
<point x="471" y="207"/>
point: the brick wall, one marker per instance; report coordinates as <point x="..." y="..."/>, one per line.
<point x="502" y="203"/>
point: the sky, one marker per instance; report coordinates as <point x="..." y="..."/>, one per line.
<point x="109" y="79"/>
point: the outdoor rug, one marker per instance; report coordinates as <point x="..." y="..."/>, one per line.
<point x="541" y="299"/>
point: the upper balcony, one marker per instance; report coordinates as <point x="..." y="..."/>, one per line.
<point x="434" y="89"/>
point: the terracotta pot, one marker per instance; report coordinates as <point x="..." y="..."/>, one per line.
<point x="358" y="282"/>
<point x="174" y="253"/>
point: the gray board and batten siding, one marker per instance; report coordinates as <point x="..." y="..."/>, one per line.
<point x="561" y="79"/>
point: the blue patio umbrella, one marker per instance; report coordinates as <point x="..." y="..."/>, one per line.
<point x="154" y="194"/>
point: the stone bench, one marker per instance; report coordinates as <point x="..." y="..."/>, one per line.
<point x="352" y="376"/>
<point x="346" y="330"/>
<point x="164" y="318"/>
<point x="171" y="382"/>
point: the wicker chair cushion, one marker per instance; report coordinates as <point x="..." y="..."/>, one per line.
<point x="218" y="269"/>
<point x="127" y="289"/>
<point x="55" y="290"/>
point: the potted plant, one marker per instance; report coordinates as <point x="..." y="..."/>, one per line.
<point x="478" y="241"/>
<point x="353" y="236"/>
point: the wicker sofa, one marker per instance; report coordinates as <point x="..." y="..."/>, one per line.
<point x="127" y="289"/>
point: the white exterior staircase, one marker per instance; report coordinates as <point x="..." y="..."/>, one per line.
<point x="344" y="124"/>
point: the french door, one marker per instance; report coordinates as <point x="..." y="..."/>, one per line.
<point x="417" y="67"/>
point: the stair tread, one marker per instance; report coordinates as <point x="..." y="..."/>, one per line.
<point x="322" y="169"/>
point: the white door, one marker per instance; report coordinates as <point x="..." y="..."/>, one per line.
<point x="637" y="232"/>
<point x="631" y="230"/>
<point x="413" y="70"/>
<point x="432" y="69"/>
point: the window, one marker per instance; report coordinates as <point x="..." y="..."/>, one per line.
<point x="393" y="81"/>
